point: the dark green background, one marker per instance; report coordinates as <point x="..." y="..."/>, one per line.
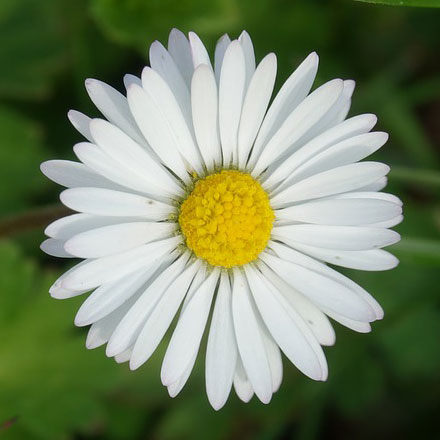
<point x="382" y="385"/>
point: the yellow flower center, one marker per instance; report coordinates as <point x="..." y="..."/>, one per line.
<point x="227" y="219"/>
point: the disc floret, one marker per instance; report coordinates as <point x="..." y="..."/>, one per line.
<point x="227" y="219"/>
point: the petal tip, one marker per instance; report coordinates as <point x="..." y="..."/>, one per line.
<point x="91" y="84"/>
<point x="71" y="114"/>
<point x="172" y="392"/>
<point x="217" y="404"/>
<point x="313" y="58"/>
<point x="111" y="350"/>
<point x="45" y="167"/>
<point x="91" y="344"/>
<point x="175" y="31"/>
<point x="134" y="364"/>
<point x="265" y="398"/>
<point x="80" y="321"/>
<point x="222" y="38"/>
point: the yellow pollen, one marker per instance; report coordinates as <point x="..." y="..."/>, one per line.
<point x="227" y="219"/>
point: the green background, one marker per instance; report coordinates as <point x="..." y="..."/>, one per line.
<point x="384" y="385"/>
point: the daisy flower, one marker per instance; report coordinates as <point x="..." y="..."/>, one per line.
<point x="196" y="197"/>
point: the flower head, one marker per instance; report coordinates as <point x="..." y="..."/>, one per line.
<point x="194" y="193"/>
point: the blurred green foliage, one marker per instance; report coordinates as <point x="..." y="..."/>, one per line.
<point x="32" y="45"/>
<point x="20" y="156"/>
<point x="385" y="384"/>
<point x="417" y="3"/>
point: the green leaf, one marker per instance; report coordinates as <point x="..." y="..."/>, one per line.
<point x="417" y="3"/>
<point x="416" y="176"/>
<point x="418" y="250"/>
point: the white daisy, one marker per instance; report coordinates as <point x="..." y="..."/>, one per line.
<point x="195" y="194"/>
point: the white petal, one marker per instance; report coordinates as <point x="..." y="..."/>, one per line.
<point x="161" y="317"/>
<point x="294" y="90"/>
<point x="162" y="62"/>
<point x="176" y="387"/>
<point x="107" y="269"/>
<point x="343" y="153"/>
<point x="81" y="122"/>
<point x="231" y="94"/>
<point x="185" y="342"/>
<point x="204" y="100"/>
<point x="357" y="326"/>
<point x="274" y="357"/>
<point x="389" y="223"/>
<point x="312" y="315"/>
<point x="73" y="174"/>
<point x="58" y="291"/>
<point x="66" y="227"/>
<point x="342" y="114"/>
<point x="220" y="49"/>
<point x="113" y="239"/>
<point x="249" y="340"/>
<point x="100" y="162"/>
<point x="55" y="248"/>
<point x="255" y="105"/>
<point x="287" y="327"/>
<point x="371" y="260"/>
<point x="349" y="86"/>
<point x="114" y="203"/>
<point x="109" y="296"/>
<point x="335" y="211"/>
<point x="179" y="130"/>
<point x="131" y="79"/>
<point x="322" y="290"/>
<point x="348" y="238"/>
<point x="242" y="386"/>
<point x="129" y="328"/>
<point x="221" y="352"/>
<point x="113" y="105"/>
<point x="335" y="181"/>
<point x="249" y="55"/>
<point x="298" y="258"/>
<point x="154" y="126"/>
<point x="133" y="157"/>
<point x="180" y="50"/>
<point x="378" y="185"/>
<point x="101" y="331"/>
<point x="198" y="50"/>
<point x="299" y="125"/>
<point x="124" y="356"/>
<point x="345" y="130"/>
<point x="199" y="279"/>
<point x="369" y="195"/>
<point x="339" y="110"/>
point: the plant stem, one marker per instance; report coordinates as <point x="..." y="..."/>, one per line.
<point x="30" y="220"/>
<point x="416" y="176"/>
